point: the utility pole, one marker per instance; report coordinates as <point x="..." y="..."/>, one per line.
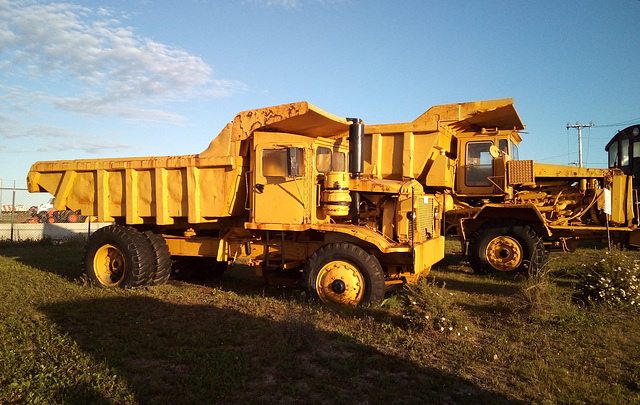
<point x="579" y="127"/>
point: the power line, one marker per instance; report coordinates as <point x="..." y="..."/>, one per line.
<point x="619" y="124"/>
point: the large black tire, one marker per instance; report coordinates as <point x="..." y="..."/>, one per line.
<point x="162" y="258"/>
<point x="345" y="274"/>
<point x="505" y="246"/>
<point x="119" y="256"/>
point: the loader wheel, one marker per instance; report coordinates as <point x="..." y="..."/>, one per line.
<point x="505" y="246"/>
<point x="118" y="256"/>
<point x="162" y="257"/>
<point x="344" y="274"/>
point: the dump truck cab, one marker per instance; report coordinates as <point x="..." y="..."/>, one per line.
<point x="288" y="172"/>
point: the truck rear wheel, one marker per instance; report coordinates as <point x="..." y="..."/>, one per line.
<point x="118" y="256"/>
<point x="162" y="256"/>
<point x="501" y="245"/>
<point x="344" y="274"/>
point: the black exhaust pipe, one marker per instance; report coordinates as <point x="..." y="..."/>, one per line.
<point x="356" y="163"/>
<point x="356" y="147"/>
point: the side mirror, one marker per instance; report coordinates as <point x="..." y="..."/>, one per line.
<point x="294" y="162"/>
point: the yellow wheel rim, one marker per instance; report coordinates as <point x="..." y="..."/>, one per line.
<point x="341" y="283"/>
<point x="109" y="265"/>
<point x="504" y="253"/>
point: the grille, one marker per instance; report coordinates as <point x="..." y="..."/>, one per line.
<point x="424" y="221"/>
<point x="520" y="171"/>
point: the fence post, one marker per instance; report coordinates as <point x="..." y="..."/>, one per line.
<point x="13" y="209"/>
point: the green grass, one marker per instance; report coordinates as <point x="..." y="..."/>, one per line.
<point x="235" y="340"/>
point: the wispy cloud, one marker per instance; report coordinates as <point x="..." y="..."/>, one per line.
<point x="50" y="138"/>
<point x="111" y="69"/>
<point x="278" y="3"/>
<point x="293" y="4"/>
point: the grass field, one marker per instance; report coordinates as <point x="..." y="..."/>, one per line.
<point x="235" y="340"/>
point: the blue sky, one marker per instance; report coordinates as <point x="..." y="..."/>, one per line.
<point x="94" y="79"/>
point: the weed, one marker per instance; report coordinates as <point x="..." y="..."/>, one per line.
<point x="613" y="280"/>
<point x="429" y="306"/>
<point x="540" y="297"/>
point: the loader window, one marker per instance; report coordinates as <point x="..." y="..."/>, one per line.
<point x="479" y="165"/>
<point x="503" y="145"/>
<point x="514" y="151"/>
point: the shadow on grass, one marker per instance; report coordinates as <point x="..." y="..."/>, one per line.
<point x="497" y="285"/>
<point x="194" y="354"/>
<point x="63" y="258"/>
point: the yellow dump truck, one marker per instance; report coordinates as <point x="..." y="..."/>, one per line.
<point x="281" y="188"/>
<point x="506" y="212"/>
<point x="348" y="209"/>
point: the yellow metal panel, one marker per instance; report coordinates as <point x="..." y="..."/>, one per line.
<point x="207" y="247"/>
<point x="620" y="195"/>
<point x="558" y="171"/>
<point x="131" y="197"/>
<point x="296" y="118"/>
<point x="193" y="195"/>
<point x="102" y="196"/>
<point x="407" y="155"/>
<point x="162" y="197"/>
<point x="441" y="173"/>
<point x="427" y="254"/>
<point x="116" y="193"/>
<point x="62" y="194"/>
<point x="376" y="155"/>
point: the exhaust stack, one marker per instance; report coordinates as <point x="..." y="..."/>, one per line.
<point x="356" y="147"/>
<point x="356" y="163"/>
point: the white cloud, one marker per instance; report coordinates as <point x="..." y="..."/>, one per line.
<point x="50" y="138"/>
<point x="113" y="70"/>
<point x="293" y="4"/>
<point x="279" y="3"/>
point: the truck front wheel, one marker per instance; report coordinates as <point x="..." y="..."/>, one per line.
<point x="119" y="256"/>
<point x="344" y="274"/>
<point x="505" y="246"/>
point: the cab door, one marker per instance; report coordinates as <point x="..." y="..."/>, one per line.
<point x="280" y="188"/>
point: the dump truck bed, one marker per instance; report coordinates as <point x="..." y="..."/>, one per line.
<point x="184" y="188"/>
<point x="176" y="189"/>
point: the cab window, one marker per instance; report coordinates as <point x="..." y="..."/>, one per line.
<point x="503" y="145"/>
<point x="478" y="164"/>
<point x="323" y="159"/>
<point x="514" y="151"/>
<point x="613" y="154"/>
<point x="339" y="162"/>
<point x="327" y="161"/>
<point x="624" y="152"/>
<point x="274" y="162"/>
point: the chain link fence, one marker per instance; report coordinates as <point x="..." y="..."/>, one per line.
<point x="31" y="216"/>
